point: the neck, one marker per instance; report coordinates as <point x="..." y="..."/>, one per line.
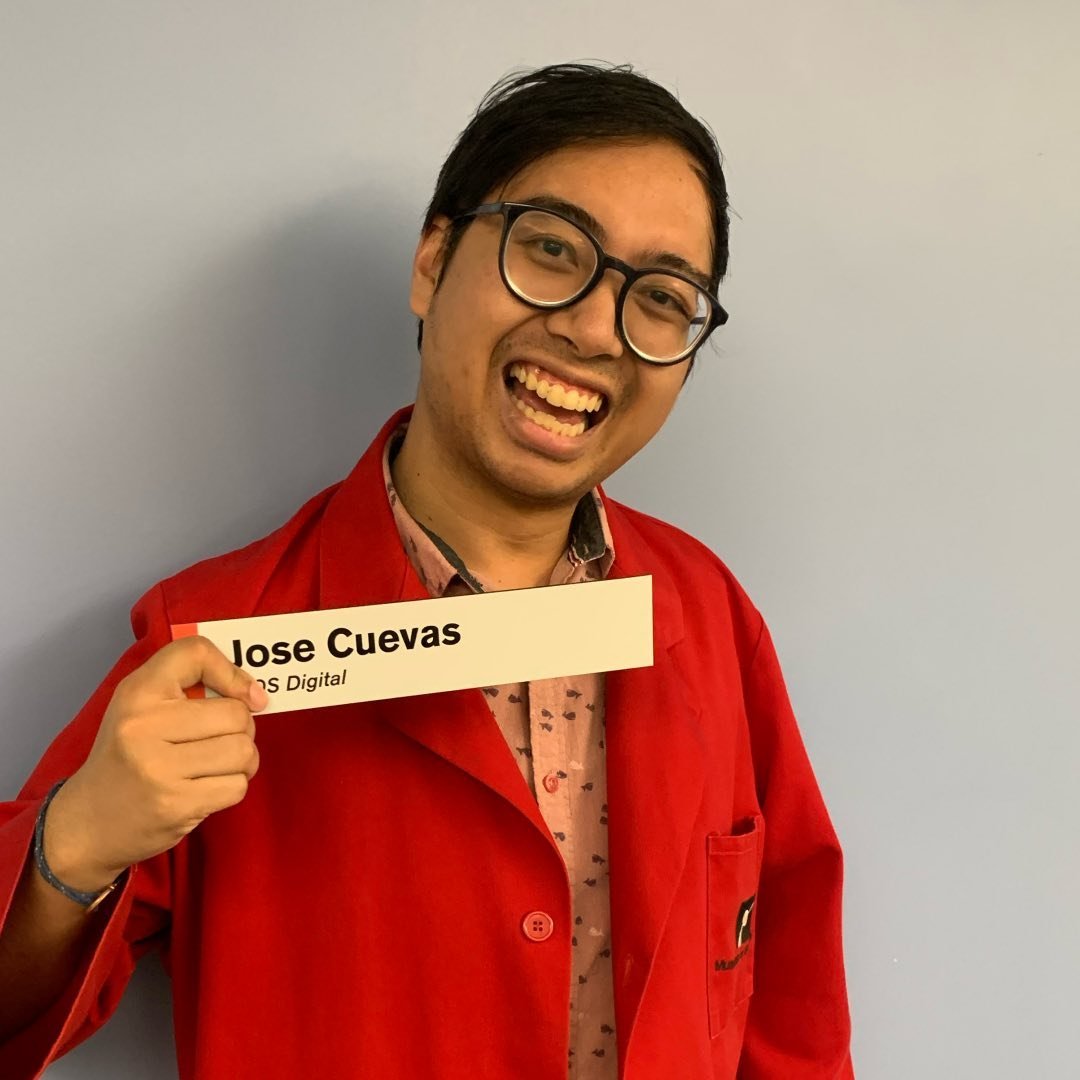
<point x="507" y="545"/>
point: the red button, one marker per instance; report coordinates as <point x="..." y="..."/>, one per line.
<point x="538" y="926"/>
<point x="551" y="783"/>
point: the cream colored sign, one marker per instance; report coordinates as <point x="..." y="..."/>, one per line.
<point x="312" y="659"/>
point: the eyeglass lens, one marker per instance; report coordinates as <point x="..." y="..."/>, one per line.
<point x="550" y="261"/>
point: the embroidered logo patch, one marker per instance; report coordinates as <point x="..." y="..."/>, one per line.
<point x="742" y="935"/>
<point x="742" y="922"/>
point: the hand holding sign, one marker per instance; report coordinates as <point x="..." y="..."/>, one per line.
<point x="160" y="765"/>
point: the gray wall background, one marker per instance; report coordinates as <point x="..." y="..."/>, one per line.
<point x="208" y="212"/>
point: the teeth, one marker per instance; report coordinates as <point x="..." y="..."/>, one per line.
<point x="556" y="394"/>
<point x="549" y="422"/>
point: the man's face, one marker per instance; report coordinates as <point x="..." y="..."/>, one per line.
<point x="479" y="339"/>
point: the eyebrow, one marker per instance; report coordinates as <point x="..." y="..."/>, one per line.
<point x="657" y="257"/>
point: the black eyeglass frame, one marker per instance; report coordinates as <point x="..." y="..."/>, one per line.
<point x="511" y="211"/>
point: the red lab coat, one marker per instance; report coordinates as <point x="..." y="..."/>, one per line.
<point x="359" y="914"/>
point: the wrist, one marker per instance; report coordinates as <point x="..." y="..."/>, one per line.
<point x="66" y="846"/>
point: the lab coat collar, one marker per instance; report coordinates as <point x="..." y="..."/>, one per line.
<point x="362" y="562"/>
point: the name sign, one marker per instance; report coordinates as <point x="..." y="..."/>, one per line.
<point x="311" y="659"/>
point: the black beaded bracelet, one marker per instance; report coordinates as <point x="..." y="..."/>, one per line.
<point x="85" y="899"/>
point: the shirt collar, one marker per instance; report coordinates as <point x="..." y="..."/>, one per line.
<point x="439" y="566"/>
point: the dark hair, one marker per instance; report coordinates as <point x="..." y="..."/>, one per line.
<point x="525" y="116"/>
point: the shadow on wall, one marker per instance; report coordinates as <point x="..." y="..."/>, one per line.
<point x="251" y="385"/>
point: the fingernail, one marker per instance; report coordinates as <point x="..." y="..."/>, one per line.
<point x="257" y="696"/>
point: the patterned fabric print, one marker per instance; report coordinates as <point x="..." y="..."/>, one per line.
<point x="555" y="730"/>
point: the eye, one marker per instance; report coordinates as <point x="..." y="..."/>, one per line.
<point x="668" y="302"/>
<point x="553" y="249"/>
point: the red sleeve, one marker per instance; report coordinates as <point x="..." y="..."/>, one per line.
<point x="128" y="923"/>
<point x="798" y="1025"/>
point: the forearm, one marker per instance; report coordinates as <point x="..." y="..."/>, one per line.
<point x="43" y="938"/>
<point x="41" y="944"/>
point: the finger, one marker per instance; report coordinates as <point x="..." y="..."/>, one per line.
<point x="225" y="755"/>
<point x="193" y="660"/>
<point x="213" y="793"/>
<point x="194" y="721"/>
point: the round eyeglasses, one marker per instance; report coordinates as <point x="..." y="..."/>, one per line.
<point x="547" y="260"/>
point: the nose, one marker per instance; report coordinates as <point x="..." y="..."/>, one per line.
<point x="588" y="324"/>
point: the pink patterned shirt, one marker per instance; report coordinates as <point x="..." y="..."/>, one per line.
<point x="555" y="730"/>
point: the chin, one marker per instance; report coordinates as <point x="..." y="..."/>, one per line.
<point x="532" y="486"/>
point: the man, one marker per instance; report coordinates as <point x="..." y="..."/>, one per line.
<point x="625" y="875"/>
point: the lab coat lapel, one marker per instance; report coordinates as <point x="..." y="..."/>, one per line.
<point x="655" y="755"/>
<point x="655" y="750"/>
<point x="362" y="562"/>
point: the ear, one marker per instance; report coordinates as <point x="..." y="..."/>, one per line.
<point x="427" y="265"/>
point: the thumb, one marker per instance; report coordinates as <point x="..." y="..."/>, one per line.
<point x="257" y="696"/>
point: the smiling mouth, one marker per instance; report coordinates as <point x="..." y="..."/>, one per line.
<point x="551" y="403"/>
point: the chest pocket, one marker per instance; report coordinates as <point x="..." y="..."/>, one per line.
<point x="732" y="873"/>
